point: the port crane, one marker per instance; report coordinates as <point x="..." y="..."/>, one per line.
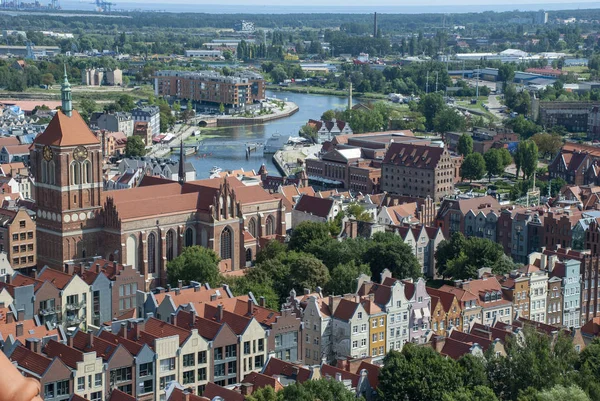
<point x="104" y="6"/>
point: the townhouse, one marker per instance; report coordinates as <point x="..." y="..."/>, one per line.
<point x="350" y="328"/>
<point x="554" y="315"/>
<point x="569" y="273"/>
<point x="515" y="288"/>
<point x="538" y="289"/>
<point x="449" y="315"/>
<point x="377" y="328"/>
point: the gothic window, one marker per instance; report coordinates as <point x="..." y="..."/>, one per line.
<point x="189" y="236"/>
<point x="87" y="172"/>
<point x="252" y="227"/>
<point x="151" y="253"/>
<point x="226" y="238"/>
<point x="75" y="173"/>
<point x="170" y="246"/>
<point x="44" y="171"/>
<point x="248" y="255"/>
<point x="51" y="173"/>
<point x="230" y="204"/>
<point x="270" y="225"/>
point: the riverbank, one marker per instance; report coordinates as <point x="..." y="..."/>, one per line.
<point x="316" y="90"/>
<point x="290" y="108"/>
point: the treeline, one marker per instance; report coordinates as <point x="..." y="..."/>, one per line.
<point x="536" y="367"/>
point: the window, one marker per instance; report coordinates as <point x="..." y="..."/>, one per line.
<point x="252" y="227"/>
<point x="261" y="345"/>
<point x="22" y="223"/>
<point x="80" y="383"/>
<point x="226" y="241"/>
<point x="270" y="225"/>
<point x="189" y="236"/>
<point x="232" y="368"/>
<point x="49" y="391"/>
<point x="220" y="370"/>
<point x="170" y="245"/>
<point x="126" y="389"/>
<point x="188" y="360"/>
<point x="97" y="396"/>
<point x="363" y="342"/>
<point x="62" y="388"/>
<point x="201" y="357"/>
<point x="98" y="379"/>
<point x="258" y="361"/>
<point x="374" y="323"/>
<point x="363" y="327"/>
<point x="381" y="321"/>
<point x="230" y="351"/>
<point x="374" y="336"/>
<point x="146" y="369"/>
<point x="201" y="374"/>
<point x="169" y="364"/>
<point x="247" y="347"/>
<point x="151" y="253"/>
<point x="166" y="380"/>
<point x="218" y="354"/>
<point x="360" y="315"/>
<point x="124" y="374"/>
<point x="188" y="377"/>
<point x="354" y="329"/>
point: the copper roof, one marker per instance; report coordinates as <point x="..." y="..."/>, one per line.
<point x="67" y="131"/>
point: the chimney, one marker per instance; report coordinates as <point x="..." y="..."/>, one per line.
<point x="10" y="318"/>
<point x="261" y="301"/>
<point x="177" y="290"/>
<point x="246" y="389"/>
<point x="250" y="307"/>
<point x="33" y="344"/>
<point x="306" y="291"/>
<point x="168" y="287"/>
<point x="338" y="377"/>
<point x="19" y="330"/>
<point x="21" y="315"/>
<point x="70" y="340"/>
<point x="213" y="297"/>
<point x="123" y="330"/>
<point x="8" y="279"/>
<point x="219" y="312"/>
<point x="97" y="267"/>
<point x="180" y="284"/>
<point x="90" y="339"/>
<point x="1" y="305"/>
<point x="438" y="343"/>
<point x="196" y="288"/>
<point x="295" y="371"/>
<point x="333" y="303"/>
<point x="174" y="319"/>
<point x="34" y="273"/>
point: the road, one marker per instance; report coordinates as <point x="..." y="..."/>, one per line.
<point x="495" y="107"/>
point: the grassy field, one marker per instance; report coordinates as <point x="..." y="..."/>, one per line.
<point x="580" y="70"/>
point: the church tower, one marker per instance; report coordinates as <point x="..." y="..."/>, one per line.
<point x="66" y="161"/>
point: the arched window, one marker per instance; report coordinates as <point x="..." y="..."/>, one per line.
<point x="44" y="177"/>
<point x="75" y="173"/>
<point x="230" y="204"/>
<point x="248" y="255"/>
<point x="170" y="245"/>
<point x="226" y="237"/>
<point x="151" y="253"/>
<point x="252" y="227"/>
<point x="87" y="172"/>
<point x="190" y="236"/>
<point x="132" y="251"/>
<point x="51" y="173"/>
<point x="270" y="225"/>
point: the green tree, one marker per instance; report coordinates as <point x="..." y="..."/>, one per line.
<point x="307" y="232"/>
<point x="473" y="167"/>
<point x="389" y="251"/>
<point x="135" y="146"/>
<point x="195" y="263"/>
<point x="417" y="373"/>
<point x="221" y="108"/>
<point x="506" y="72"/>
<point x="328" y="115"/>
<point x="447" y="120"/>
<point x="430" y="105"/>
<point x="494" y="164"/>
<point x="306" y="271"/>
<point x="478" y="393"/>
<point x="126" y="102"/>
<point x="506" y="157"/>
<point x="588" y="366"/>
<point x="548" y="144"/>
<point x="263" y="394"/>
<point x="358" y="212"/>
<point x="343" y="277"/>
<point x="529" y="157"/>
<point x="309" y="131"/>
<point x="559" y="392"/>
<point x="272" y="250"/>
<point x="48" y="79"/>
<point x="465" y="145"/>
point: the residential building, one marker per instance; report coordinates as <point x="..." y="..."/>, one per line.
<point x="54" y="376"/>
<point x="515" y="287"/>
<point x="418" y="170"/>
<point x="572" y="162"/>
<point x="570" y="273"/>
<point x="148" y="114"/>
<point x="116" y="122"/>
<point x="18" y="237"/>
<point x="326" y="130"/>
<point x="452" y="216"/>
<point x="236" y="91"/>
<point x="75" y="302"/>
<point x="377" y="328"/>
<point x="554" y="315"/>
<point x="14" y="153"/>
<point x="350" y="329"/>
<point x="142" y="130"/>
<point x="420" y="310"/>
<point x="316" y="209"/>
<point x="450" y="313"/>
<point x="538" y="291"/>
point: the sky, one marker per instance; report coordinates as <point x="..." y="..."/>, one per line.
<point x="372" y="3"/>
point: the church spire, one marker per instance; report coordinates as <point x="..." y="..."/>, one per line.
<point x="66" y="96"/>
<point x="181" y="163"/>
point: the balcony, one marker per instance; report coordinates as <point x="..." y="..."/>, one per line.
<point x="48" y="311"/>
<point x="74" y="320"/>
<point x="75" y="305"/>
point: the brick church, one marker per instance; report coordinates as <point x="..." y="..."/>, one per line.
<point x="146" y="226"/>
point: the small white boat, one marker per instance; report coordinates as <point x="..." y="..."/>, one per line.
<point x="215" y="170"/>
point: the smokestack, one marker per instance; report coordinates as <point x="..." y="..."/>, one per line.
<point x="375" y="26"/>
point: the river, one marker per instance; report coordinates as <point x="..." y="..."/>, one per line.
<point x="224" y="147"/>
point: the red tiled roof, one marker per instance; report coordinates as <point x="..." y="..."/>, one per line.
<point x="317" y="206"/>
<point x="66" y="131"/>
<point x="213" y="390"/>
<point x="118" y="395"/>
<point x="191" y="295"/>
<point x="237" y="323"/>
<point x="56" y="277"/>
<point x="259" y="380"/>
<point x="132" y="346"/>
<point x="345" y="309"/>
<point x="447" y="298"/>
<point x="413" y="155"/>
<point x="455" y="349"/>
<point x="592" y="327"/>
<point x="278" y="367"/>
<point x="180" y="395"/>
<point x="331" y="371"/>
<point x="29" y="360"/>
<point x="262" y="315"/>
<point x="70" y="356"/>
<point x="160" y="329"/>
